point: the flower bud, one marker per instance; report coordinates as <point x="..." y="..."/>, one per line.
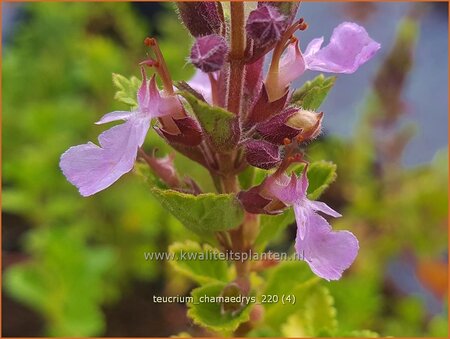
<point x="209" y="52"/>
<point x="262" y="154"/>
<point x="202" y="17"/>
<point x="232" y="290"/>
<point x="286" y="8"/>
<point x="263" y="108"/>
<point x="256" y="202"/>
<point x="253" y="201"/>
<point x="308" y="121"/>
<point x="257" y="314"/>
<point x="189" y="132"/>
<point x="164" y="168"/>
<point x="276" y="128"/>
<point x="265" y="25"/>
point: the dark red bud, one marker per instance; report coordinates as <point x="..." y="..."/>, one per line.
<point x="276" y="129"/>
<point x="190" y="133"/>
<point x="202" y="17"/>
<point x="253" y="201"/>
<point x="265" y="25"/>
<point x="262" y="108"/>
<point x="262" y="154"/>
<point x="209" y="53"/>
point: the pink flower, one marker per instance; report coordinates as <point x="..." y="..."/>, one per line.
<point x="92" y="168"/>
<point x="327" y="252"/>
<point x="350" y="47"/>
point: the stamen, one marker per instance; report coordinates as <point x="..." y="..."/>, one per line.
<point x="299" y="138"/>
<point x="149" y="42"/>
<point x="286" y="141"/>
<point x="159" y="64"/>
<point x="303" y="26"/>
<point x="272" y="81"/>
<point x="150" y="63"/>
<point x="161" y="68"/>
<point x="298" y="157"/>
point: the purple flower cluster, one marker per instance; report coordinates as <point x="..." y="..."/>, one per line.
<point x="266" y="131"/>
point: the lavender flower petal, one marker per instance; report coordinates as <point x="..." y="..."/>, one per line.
<point x="114" y="116"/>
<point x="92" y="168"/>
<point x="328" y="253"/>
<point x="350" y="46"/>
<point x="200" y="82"/>
<point x="324" y="208"/>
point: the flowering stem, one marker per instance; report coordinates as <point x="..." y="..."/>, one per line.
<point x="237" y="52"/>
<point x="237" y="30"/>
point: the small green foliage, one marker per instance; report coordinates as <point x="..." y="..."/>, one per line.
<point x="359" y="334"/>
<point x="126" y="89"/>
<point x="319" y="313"/>
<point x="313" y="313"/>
<point x="247" y="177"/>
<point x="288" y="278"/>
<point x="210" y="315"/>
<point x="188" y="260"/>
<point x="181" y="335"/>
<point x="311" y="95"/>
<point x="67" y="268"/>
<point x="203" y="213"/>
<point x="184" y="86"/>
<point x="271" y="226"/>
<point x="219" y="125"/>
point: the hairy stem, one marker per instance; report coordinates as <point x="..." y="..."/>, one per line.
<point x="237" y="30"/>
<point x="237" y="53"/>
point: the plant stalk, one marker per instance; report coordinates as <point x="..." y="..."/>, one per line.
<point x="237" y="54"/>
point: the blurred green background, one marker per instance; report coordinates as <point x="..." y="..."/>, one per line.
<point x="74" y="266"/>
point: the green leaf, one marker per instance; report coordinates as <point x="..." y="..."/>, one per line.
<point x="126" y="89"/>
<point x="15" y="201"/>
<point x="311" y="95"/>
<point x="320" y="175"/>
<point x="294" y="327"/>
<point x="319" y="312"/>
<point x="181" y="335"/>
<point x="208" y="314"/>
<point x="359" y="334"/>
<point x="314" y="317"/>
<point x="288" y="278"/>
<point x="246" y="177"/>
<point x="184" y="86"/>
<point x="203" y="213"/>
<point x="197" y="262"/>
<point x="219" y="125"/>
<point x="57" y="281"/>
<point x="271" y="226"/>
